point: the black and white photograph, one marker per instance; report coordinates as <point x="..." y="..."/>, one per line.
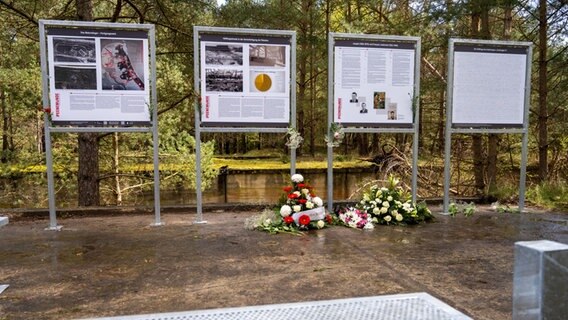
<point x="122" y="63"/>
<point x="224" y="55"/>
<point x="74" y="50"/>
<point x="75" y="78"/>
<point x="364" y="108"/>
<point x="267" y="56"/>
<point x="362" y="104"/>
<point x="392" y="111"/>
<point x="354" y="98"/>
<point x="223" y="80"/>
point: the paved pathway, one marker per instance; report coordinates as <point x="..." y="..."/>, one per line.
<point x="119" y="265"/>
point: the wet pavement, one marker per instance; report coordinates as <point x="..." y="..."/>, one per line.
<point x="120" y="265"/>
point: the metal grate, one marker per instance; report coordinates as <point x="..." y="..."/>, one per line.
<point x="3" y="287"/>
<point x="414" y="306"/>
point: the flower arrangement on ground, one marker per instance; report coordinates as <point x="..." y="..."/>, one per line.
<point x="299" y="209"/>
<point x="355" y="218"/>
<point x="392" y="205"/>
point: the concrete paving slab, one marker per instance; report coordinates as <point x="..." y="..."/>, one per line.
<point x="107" y="266"/>
<point x="412" y="306"/>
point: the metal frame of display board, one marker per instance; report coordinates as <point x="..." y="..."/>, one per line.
<point x="228" y="128"/>
<point x="153" y="128"/>
<point x="410" y="128"/>
<point x="488" y="46"/>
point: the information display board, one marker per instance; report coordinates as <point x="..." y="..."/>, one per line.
<point x="245" y="80"/>
<point x="489" y="82"/>
<point x="98" y="77"/>
<point x="488" y="92"/>
<point x="374" y="82"/>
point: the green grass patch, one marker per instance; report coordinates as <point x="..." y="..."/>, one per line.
<point x="272" y="164"/>
<point x="548" y="195"/>
<point x="233" y="164"/>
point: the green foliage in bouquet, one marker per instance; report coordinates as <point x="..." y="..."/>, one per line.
<point x="391" y="204"/>
<point x="270" y="221"/>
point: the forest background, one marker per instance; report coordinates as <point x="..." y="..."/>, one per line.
<point x="101" y="169"/>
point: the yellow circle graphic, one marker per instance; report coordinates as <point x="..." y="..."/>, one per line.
<point x="262" y="82"/>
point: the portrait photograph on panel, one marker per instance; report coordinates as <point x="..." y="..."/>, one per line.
<point x="392" y="111"/>
<point x="354" y="98"/>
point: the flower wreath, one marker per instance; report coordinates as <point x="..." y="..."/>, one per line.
<point x="392" y="205"/>
<point x="355" y="218"/>
<point x="299" y="209"/>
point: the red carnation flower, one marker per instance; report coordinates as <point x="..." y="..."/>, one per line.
<point x="292" y="196"/>
<point x="301" y="185"/>
<point x="288" y="219"/>
<point x="302" y="201"/>
<point x="47" y="110"/>
<point x="287" y="189"/>
<point x="304" y="220"/>
<point x="329" y="219"/>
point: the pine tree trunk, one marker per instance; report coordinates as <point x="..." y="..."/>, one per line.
<point x="493" y="140"/>
<point x="115" y="167"/>
<point x="477" y="143"/>
<point x="363" y="144"/>
<point x="437" y="144"/>
<point x="88" y="174"/>
<point x="85" y="10"/>
<point x="5" y="129"/>
<point x="313" y="87"/>
<point x="542" y="93"/>
<point x="302" y="97"/>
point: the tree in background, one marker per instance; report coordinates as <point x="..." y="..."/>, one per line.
<point x="88" y="173"/>
<point x="435" y="21"/>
